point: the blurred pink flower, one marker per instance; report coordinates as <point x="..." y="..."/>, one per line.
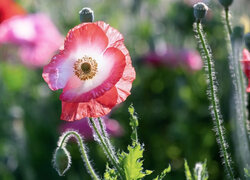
<point x="35" y="35"/>
<point x="113" y="128"/>
<point x="192" y="60"/>
<point x="174" y="58"/>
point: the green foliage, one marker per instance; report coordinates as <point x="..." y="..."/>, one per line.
<point x="163" y="173"/>
<point x="14" y="76"/>
<point x="187" y="171"/>
<point x="200" y="171"/>
<point x="247" y="172"/>
<point x="133" y="123"/>
<point x="110" y="174"/>
<point x="132" y="164"/>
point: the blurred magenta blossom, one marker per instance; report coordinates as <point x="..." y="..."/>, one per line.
<point x="174" y="58"/>
<point x="113" y="128"/>
<point x="35" y="35"/>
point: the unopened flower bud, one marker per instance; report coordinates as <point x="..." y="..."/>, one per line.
<point x="61" y="160"/>
<point x="247" y="41"/>
<point x="238" y="33"/>
<point x="86" y="15"/>
<point x="226" y="3"/>
<point x="200" y="10"/>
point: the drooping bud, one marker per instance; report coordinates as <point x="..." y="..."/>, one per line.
<point x="200" y="10"/>
<point x="226" y="3"/>
<point x="86" y="15"/>
<point x="247" y="41"/>
<point x="238" y="33"/>
<point x="61" y="160"/>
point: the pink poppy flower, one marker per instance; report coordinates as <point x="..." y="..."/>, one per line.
<point x="113" y="128"/>
<point x="94" y="70"/>
<point x="246" y="66"/>
<point x="35" y="35"/>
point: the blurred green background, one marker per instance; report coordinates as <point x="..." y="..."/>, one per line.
<point x="171" y="103"/>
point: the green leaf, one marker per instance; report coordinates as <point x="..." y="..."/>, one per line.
<point x="187" y="171"/>
<point x="133" y="123"/>
<point x="110" y="174"/>
<point x="247" y="172"/>
<point x="132" y="164"/>
<point x="163" y="173"/>
<point x="14" y="76"/>
<point x="200" y="171"/>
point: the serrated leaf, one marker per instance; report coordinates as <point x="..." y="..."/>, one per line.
<point x="163" y="173"/>
<point x="133" y="123"/>
<point x="110" y="174"/>
<point x="132" y="164"/>
<point x="187" y="171"/>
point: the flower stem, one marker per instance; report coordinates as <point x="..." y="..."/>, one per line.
<point x="106" y="138"/>
<point x="81" y="145"/>
<point x="229" y="28"/>
<point x="215" y="110"/>
<point x="111" y="156"/>
<point x="240" y="110"/>
<point x="237" y="73"/>
<point x="104" y="134"/>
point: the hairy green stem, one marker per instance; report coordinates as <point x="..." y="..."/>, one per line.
<point x="238" y="73"/>
<point x="242" y="89"/>
<point x="104" y="134"/>
<point x="106" y="138"/>
<point x="107" y="150"/>
<point x="240" y="118"/>
<point x="229" y="28"/>
<point x="214" y="100"/>
<point x="82" y="150"/>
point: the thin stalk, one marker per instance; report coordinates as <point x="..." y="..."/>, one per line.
<point x="242" y="87"/>
<point x="106" y="138"/>
<point x="82" y="150"/>
<point x="229" y="28"/>
<point x="237" y="73"/>
<point x="215" y="109"/>
<point x="106" y="149"/>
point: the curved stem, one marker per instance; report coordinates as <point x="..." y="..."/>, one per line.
<point x="228" y="21"/>
<point x="213" y="98"/>
<point x="82" y="150"/>
<point x="106" y="149"/>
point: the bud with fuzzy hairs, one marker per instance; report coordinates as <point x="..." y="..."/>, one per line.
<point x="61" y="160"/>
<point x="86" y="15"/>
<point x="200" y="11"/>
